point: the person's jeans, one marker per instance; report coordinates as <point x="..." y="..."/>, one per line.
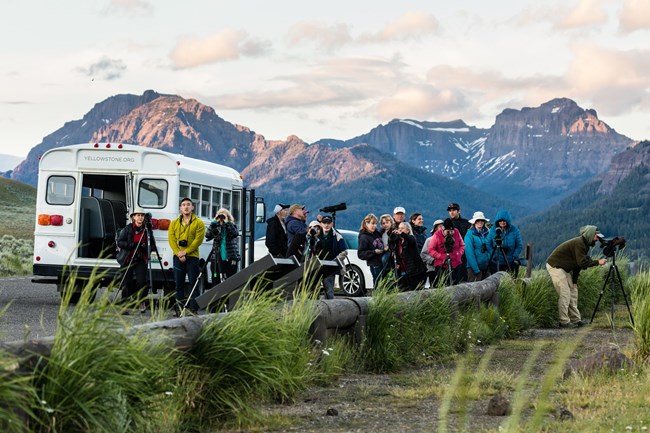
<point x="189" y="268"/>
<point x="328" y="284"/>
<point x="567" y="303"/>
<point x="375" y="271"/>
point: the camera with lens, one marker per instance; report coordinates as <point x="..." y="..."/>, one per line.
<point x="498" y="239"/>
<point x="449" y="243"/>
<point x="313" y="231"/>
<point x="334" y="208"/>
<point x="484" y="248"/>
<point x="147" y="220"/>
<point x="610" y="246"/>
<point x="182" y="243"/>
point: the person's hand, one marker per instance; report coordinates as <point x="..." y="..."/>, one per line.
<point x="378" y="251"/>
<point x="601" y="262"/>
<point x="181" y="254"/>
<point x="575" y="285"/>
<point x="182" y="259"/>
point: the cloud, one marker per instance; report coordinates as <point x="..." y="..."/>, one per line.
<point x="617" y="81"/>
<point x="335" y="82"/>
<point x="420" y="102"/>
<point x="135" y="7"/>
<point x="328" y="37"/>
<point x="635" y="15"/>
<point x="106" y="68"/>
<point x="228" y="44"/>
<point x="586" y="13"/>
<point x="412" y="25"/>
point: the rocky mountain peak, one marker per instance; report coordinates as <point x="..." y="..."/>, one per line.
<point x="637" y="155"/>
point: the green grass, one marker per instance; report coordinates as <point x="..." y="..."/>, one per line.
<point x="97" y="378"/>
<point x="15" y="256"/>
<point x="17" y="214"/>
<point x="103" y="377"/>
<point x="639" y="289"/>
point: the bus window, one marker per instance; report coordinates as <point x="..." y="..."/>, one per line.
<point x="225" y="202"/>
<point x="60" y="190"/>
<point x="152" y="193"/>
<point x="205" y="202"/>
<point x="195" y="195"/>
<point x="236" y="205"/>
<point x="184" y="191"/>
<point x="216" y="201"/>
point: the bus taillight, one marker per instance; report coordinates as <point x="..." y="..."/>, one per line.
<point x="50" y="220"/>
<point x="163" y="224"/>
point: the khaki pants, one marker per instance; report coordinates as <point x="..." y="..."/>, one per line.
<point x="567" y="304"/>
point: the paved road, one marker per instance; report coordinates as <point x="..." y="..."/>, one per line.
<point x="32" y="309"/>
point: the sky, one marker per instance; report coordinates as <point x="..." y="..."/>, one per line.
<point x="332" y="69"/>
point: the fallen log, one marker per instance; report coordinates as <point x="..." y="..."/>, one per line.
<point x="341" y="314"/>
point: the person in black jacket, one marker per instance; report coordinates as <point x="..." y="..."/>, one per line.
<point x="409" y="267"/>
<point x="462" y="225"/>
<point x="224" y="231"/>
<point x="371" y="247"/>
<point x="132" y="256"/>
<point x="276" y="231"/>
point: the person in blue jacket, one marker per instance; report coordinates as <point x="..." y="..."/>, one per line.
<point x="477" y="249"/>
<point x="506" y="236"/>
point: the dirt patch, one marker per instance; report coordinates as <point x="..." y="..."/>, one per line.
<point x="416" y="400"/>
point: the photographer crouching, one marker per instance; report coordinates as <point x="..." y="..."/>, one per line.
<point x="225" y="251"/>
<point x="564" y="266"/>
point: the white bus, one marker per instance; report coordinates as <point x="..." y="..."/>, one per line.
<point x="86" y="193"/>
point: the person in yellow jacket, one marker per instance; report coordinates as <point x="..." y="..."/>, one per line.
<point x="185" y="236"/>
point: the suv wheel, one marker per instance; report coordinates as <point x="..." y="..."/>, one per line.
<point x="353" y="282"/>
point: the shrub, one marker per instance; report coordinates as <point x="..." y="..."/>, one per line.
<point x="15" y="256"/>
<point x="259" y="351"/>
<point x="639" y="288"/>
<point x="540" y="299"/>
<point x="398" y="334"/>
<point x="97" y="377"/>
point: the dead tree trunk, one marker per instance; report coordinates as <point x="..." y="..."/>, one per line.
<point x="336" y="315"/>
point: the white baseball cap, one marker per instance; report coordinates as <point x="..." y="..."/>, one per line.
<point x="399" y="209"/>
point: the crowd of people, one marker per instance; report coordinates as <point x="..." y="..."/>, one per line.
<point x="453" y="251"/>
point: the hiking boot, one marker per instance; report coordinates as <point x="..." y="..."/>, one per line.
<point x="568" y="325"/>
<point x="580" y="323"/>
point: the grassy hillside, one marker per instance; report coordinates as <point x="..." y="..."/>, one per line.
<point x="624" y="212"/>
<point x="17" y="211"/>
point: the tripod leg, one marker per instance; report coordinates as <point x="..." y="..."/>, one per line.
<point x="620" y="282"/>
<point x="600" y="296"/>
<point x="198" y="279"/>
<point x="505" y="259"/>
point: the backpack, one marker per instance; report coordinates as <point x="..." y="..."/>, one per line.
<point x="121" y="254"/>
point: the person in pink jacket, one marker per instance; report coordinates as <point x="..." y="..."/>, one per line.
<point x="447" y="246"/>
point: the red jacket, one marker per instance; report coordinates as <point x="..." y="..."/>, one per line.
<point x="437" y="249"/>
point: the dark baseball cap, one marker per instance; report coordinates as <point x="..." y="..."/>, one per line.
<point x="326" y="219"/>
<point x="453" y="206"/>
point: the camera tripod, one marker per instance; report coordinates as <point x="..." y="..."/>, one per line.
<point x="613" y="275"/>
<point x="151" y="247"/>
<point x="447" y="264"/>
<point x="499" y="247"/>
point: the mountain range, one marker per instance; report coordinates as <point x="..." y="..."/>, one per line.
<point x="528" y="160"/>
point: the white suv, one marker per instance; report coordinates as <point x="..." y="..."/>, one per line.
<point x="357" y="279"/>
